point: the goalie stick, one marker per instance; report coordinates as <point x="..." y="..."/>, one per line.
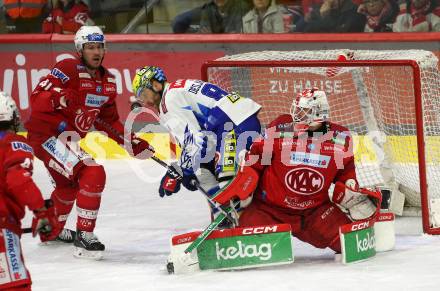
<point x="216" y="205"/>
<point x="210" y="228"/>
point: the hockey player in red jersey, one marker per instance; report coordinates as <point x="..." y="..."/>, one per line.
<point x="304" y="175"/>
<point x="17" y="191"/>
<point x="76" y="95"/>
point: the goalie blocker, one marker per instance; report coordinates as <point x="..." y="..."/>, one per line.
<point x="229" y="249"/>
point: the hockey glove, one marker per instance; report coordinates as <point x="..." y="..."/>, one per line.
<point x="190" y="182"/>
<point x="64" y="98"/>
<point x="170" y="183"/>
<point x="140" y="149"/>
<point x="356" y="200"/>
<point x="45" y="223"/>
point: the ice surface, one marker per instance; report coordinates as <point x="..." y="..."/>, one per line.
<point x="136" y="224"/>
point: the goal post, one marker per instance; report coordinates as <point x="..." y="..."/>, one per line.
<point x="390" y="100"/>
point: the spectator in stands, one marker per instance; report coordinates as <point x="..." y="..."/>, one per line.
<point x="66" y="17"/>
<point x="418" y="16"/>
<point x="24" y="16"/>
<point x="216" y="16"/>
<point x="334" y="16"/>
<point x="380" y="14"/>
<point x="266" y="17"/>
<point x="188" y="21"/>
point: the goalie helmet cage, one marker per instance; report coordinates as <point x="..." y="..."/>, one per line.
<point x="390" y="100"/>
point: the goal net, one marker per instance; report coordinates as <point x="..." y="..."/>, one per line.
<point x="390" y="100"/>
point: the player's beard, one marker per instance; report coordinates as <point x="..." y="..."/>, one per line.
<point x="90" y="67"/>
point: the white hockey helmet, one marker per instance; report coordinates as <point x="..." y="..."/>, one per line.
<point x="86" y="34"/>
<point x="310" y="107"/>
<point x="8" y="109"/>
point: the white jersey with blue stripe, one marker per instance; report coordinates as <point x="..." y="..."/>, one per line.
<point x="186" y="105"/>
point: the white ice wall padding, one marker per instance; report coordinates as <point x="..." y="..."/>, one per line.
<point x="385" y="94"/>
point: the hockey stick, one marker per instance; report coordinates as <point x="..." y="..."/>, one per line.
<point x="211" y="227"/>
<point x="165" y="165"/>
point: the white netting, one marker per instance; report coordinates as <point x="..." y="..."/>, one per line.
<point x="376" y="102"/>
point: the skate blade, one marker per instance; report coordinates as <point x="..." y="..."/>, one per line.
<point x="85" y="254"/>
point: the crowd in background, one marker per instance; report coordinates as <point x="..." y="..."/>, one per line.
<point x="240" y="16"/>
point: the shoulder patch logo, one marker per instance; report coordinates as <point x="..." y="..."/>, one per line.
<point x="21" y="146"/>
<point x="60" y="75"/>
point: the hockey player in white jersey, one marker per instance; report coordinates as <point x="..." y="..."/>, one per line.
<point x="210" y="124"/>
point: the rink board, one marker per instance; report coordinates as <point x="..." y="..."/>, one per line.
<point x="403" y="148"/>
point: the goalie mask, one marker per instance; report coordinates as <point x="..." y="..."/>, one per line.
<point x="9" y="114"/>
<point x="309" y="109"/>
<point x="144" y="80"/>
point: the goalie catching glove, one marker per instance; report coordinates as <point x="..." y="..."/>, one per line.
<point x="360" y="203"/>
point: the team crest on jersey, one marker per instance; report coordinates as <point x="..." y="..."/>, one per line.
<point x="309" y="159"/>
<point x="85" y="119"/>
<point x="304" y="181"/>
<point x="60" y="75"/>
<point x="93" y="100"/>
<point x="99" y="89"/>
<point x="21" y="146"/>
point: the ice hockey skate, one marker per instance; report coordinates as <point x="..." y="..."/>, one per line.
<point x="66" y="236"/>
<point x="87" y="246"/>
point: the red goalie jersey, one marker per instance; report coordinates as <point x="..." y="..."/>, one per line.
<point x="297" y="171"/>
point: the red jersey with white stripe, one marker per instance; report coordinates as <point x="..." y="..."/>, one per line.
<point x="296" y="171"/>
<point x="97" y="100"/>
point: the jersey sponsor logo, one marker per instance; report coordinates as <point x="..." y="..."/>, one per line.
<point x="292" y="202"/>
<point x="57" y="168"/>
<point x="109" y="88"/>
<point x="93" y="100"/>
<point x="61" y="153"/>
<point x="195" y="87"/>
<point x="332" y="148"/>
<point x="60" y="75"/>
<point x="4" y="269"/>
<point x="86" y="84"/>
<point x="21" y="146"/>
<point x="13" y="255"/>
<point x="85" y="119"/>
<point x="84" y="75"/>
<point x="314" y="160"/>
<point x="304" y="181"/>
<point x="178" y="84"/>
<point x="233" y="97"/>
